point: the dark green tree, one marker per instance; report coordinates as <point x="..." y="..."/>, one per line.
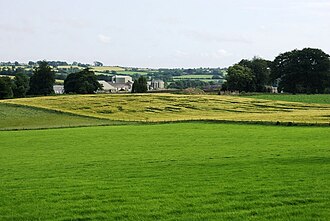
<point x="6" y="90"/>
<point x="20" y="85"/>
<point x="240" y="78"/>
<point x="42" y="80"/>
<point x="83" y="82"/>
<point x="302" y="71"/>
<point x="140" y="85"/>
<point x="260" y="69"/>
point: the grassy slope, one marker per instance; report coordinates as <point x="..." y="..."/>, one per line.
<point x="313" y="98"/>
<point x="18" y="117"/>
<point x="187" y="171"/>
<point x="167" y="107"/>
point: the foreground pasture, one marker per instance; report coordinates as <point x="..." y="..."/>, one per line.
<point x="182" y="171"/>
<point x="15" y="117"/>
<point x="169" y="107"/>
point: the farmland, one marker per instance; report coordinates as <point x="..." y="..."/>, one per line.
<point x="20" y="117"/>
<point x="183" y="171"/>
<point x="169" y="107"/>
<point x="107" y="68"/>
<point x="312" y="98"/>
<point x="192" y="77"/>
<point x="132" y="72"/>
<point x="201" y="170"/>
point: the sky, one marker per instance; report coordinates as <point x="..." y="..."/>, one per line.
<point x="160" y="33"/>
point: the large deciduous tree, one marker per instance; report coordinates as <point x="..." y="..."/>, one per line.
<point x="83" y="82"/>
<point x="6" y="90"/>
<point x="260" y="69"/>
<point x="302" y="71"/>
<point x="42" y="80"/>
<point x="20" y="85"/>
<point x="140" y="85"/>
<point x="240" y="78"/>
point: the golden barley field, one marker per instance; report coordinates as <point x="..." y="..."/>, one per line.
<point x="170" y="107"/>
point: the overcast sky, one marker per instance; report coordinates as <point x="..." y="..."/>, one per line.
<point x="160" y="33"/>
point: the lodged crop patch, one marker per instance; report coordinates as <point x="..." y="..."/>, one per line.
<point x="169" y="107"/>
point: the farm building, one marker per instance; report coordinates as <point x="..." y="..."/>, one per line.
<point x="107" y="87"/>
<point x="156" y="84"/>
<point x="116" y="85"/>
<point x="123" y="87"/>
<point x="58" y="89"/>
<point x="120" y="79"/>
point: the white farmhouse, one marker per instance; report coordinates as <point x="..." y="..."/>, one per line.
<point x="106" y="87"/>
<point x="120" y="79"/>
<point x="58" y="89"/>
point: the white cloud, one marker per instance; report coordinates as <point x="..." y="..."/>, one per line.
<point x="179" y="53"/>
<point x="104" y="39"/>
<point x="170" y="20"/>
<point x="221" y="53"/>
<point x="212" y="37"/>
<point x="16" y="29"/>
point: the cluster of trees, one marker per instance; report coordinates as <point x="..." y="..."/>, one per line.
<point x="248" y="75"/>
<point x="168" y="74"/>
<point x="83" y="82"/>
<point x="302" y="71"/>
<point x="12" y="71"/>
<point x="42" y="81"/>
<point x="297" y="71"/>
<point x="16" y="63"/>
<point x="59" y="63"/>
<point x="16" y="87"/>
<point x="140" y="85"/>
<point x="183" y="84"/>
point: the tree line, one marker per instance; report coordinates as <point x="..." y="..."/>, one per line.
<point x="297" y="71"/>
<point x="42" y="81"/>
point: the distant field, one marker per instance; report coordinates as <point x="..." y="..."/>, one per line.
<point x="107" y="68"/>
<point x="168" y="107"/>
<point x="186" y="171"/>
<point x="57" y="81"/>
<point x="69" y="66"/>
<point x="122" y="73"/>
<point x="132" y="72"/>
<point x="192" y="77"/>
<point x="12" y="77"/>
<point x="306" y="98"/>
<point x="18" y="117"/>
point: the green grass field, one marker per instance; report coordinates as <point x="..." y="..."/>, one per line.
<point x="173" y="171"/>
<point x="186" y="77"/>
<point x="180" y="171"/>
<point x="20" y="117"/>
<point x="312" y="98"/>
<point x="169" y="107"/>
